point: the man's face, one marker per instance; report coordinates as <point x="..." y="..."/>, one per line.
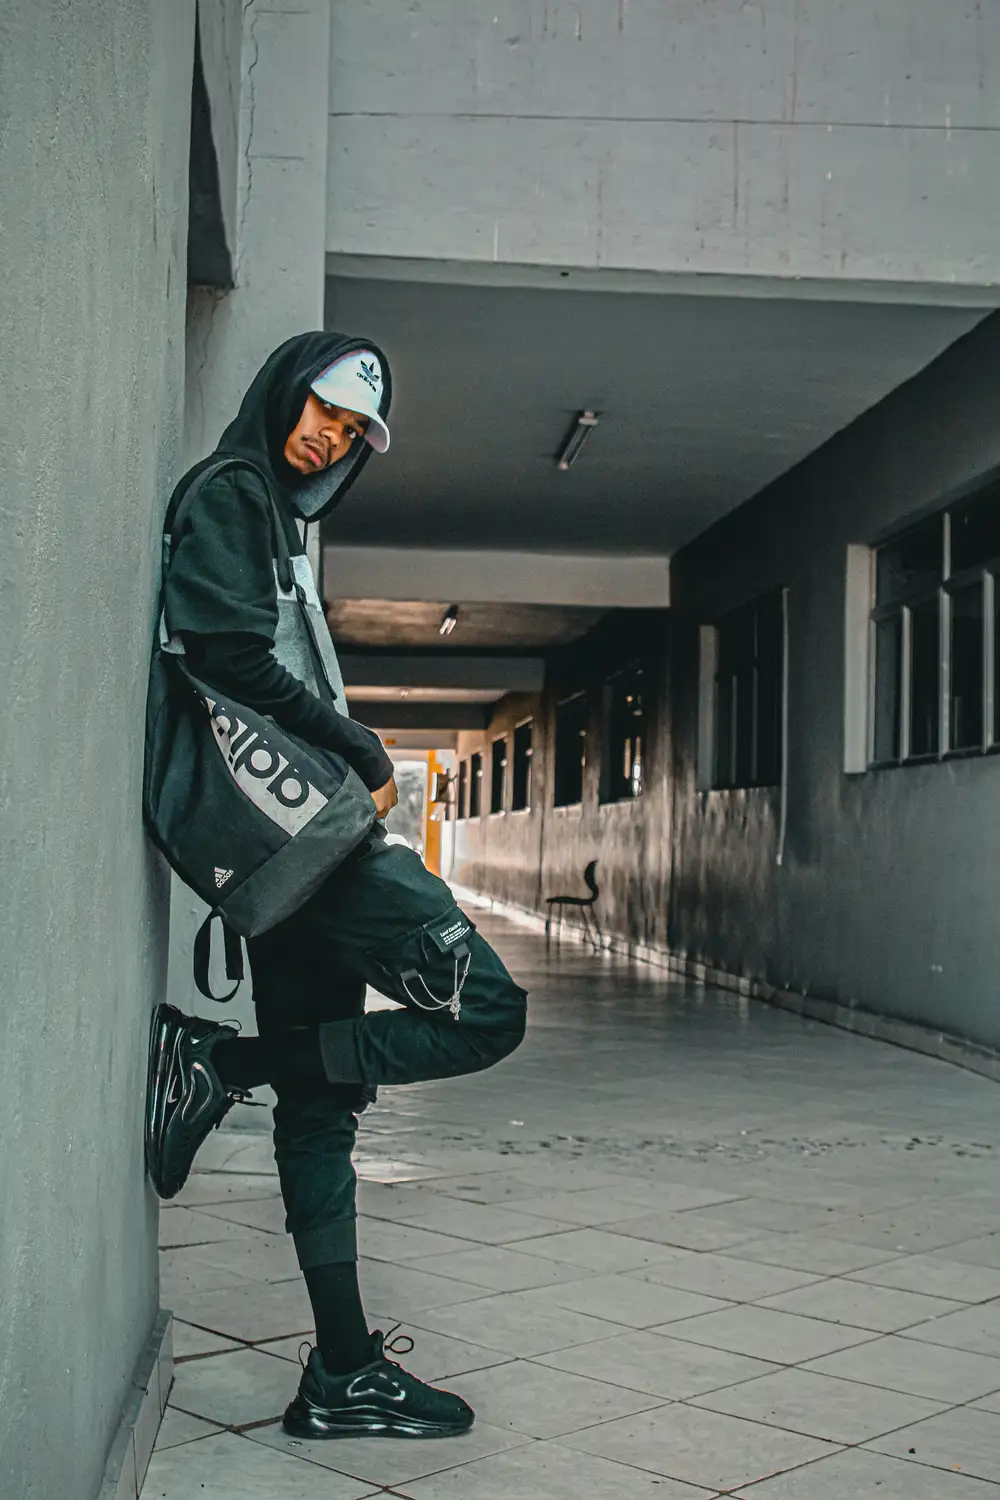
<point x="324" y="433"/>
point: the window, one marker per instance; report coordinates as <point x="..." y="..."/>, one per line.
<point x="521" y="790"/>
<point x="748" y="691"/>
<point x="475" y="785"/>
<point x="933" y="636"/>
<point x="571" y="751"/>
<point x="498" y="768"/>
<point x="462" y="800"/>
<point x="624" y="726"/>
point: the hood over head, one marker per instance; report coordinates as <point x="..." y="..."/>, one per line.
<point x="270" y="411"/>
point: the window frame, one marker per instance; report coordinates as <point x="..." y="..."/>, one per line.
<point x="525" y="806"/>
<point x="614" y="787"/>
<point x="984" y="574"/>
<point x="584" y="735"/>
<point x="476" y="784"/>
<point x="462" y="792"/>
<point x="499" y="740"/>
<point x="725" y="675"/>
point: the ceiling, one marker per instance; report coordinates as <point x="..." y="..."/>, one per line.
<point x="390" y="622"/>
<point x="703" y="401"/>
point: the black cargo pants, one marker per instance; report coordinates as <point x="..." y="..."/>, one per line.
<point x="381" y="919"/>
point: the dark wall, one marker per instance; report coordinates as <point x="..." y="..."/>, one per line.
<point x="886" y="895"/>
<point x="522" y="857"/>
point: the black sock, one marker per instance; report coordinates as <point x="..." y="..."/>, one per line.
<point x="342" y="1335"/>
<point x="248" y="1061"/>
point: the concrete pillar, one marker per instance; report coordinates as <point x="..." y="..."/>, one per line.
<point x="279" y="266"/>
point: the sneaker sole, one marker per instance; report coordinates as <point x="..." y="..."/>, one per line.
<point x="164" y="1034"/>
<point x="303" y="1420"/>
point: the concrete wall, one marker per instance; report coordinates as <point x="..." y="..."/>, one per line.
<point x="782" y="138"/>
<point x="94" y="112"/>
<point x="886" y="896"/>
<point x="280" y="285"/>
<point x="522" y="857"/>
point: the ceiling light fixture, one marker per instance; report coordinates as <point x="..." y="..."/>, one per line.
<point x="583" y="425"/>
<point x="449" y="620"/>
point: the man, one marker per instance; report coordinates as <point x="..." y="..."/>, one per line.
<point x="309" y="422"/>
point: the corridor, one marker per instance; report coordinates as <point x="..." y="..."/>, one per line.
<point x="680" y="1245"/>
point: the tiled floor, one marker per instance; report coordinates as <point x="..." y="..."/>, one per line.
<point x="680" y="1245"/>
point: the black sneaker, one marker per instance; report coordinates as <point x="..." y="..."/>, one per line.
<point x="185" y="1098"/>
<point x="379" y="1400"/>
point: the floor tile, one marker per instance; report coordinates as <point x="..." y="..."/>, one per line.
<point x="762" y="1333"/>
<point x="410" y="1291"/>
<point x="185" y="1270"/>
<point x="860" y="1475"/>
<point x="978" y="1252"/>
<point x="541" y="1402"/>
<point x="514" y="1325"/>
<point x="267" y="1215"/>
<point x="880" y="1308"/>
<point x="946" y="1375"/>
<point x="698" y="1447"/>
<point x="596" y="1249"/>
<point x="486" y="1222"/>
<point x="659" y="1365"/>
<point x="382" y="1239"/>
<point x="212" y="1188"/>
<point x="630" y="1300"/>
<point x="548" y="1471"/>
<point x="178" y="1427"/>
<point x="381" y="1461"/>
<point x="594" y="1206"/>
<point x="814" y="1253"/>
<point x="974" y="1328"/>
<point x="233" y="1389"/>
<point x="229" y="1467"/>
<point x="251" y="1257"/>
<point x="243" y="1152"/>
<point x="252" y="1313"/>
<point x="724" y="1276"/>
<point x="919" y="1227"/>
<point x="774" y="1215"/>
<point x="190" y="1341"/>
<point x="963" y="1440"/>
<point x="841" y="1411"/>
<point x="391" y="1200"/>
<point x="188" y="1226"/>
<point x="500" y="1268"/>
<point x="694" y="1231"/>
<point x="935" y="1275"/>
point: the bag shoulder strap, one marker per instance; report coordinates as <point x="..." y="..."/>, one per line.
<point x="233" y="948"/>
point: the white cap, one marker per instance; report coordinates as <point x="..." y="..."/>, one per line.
<point x="354" y="383"/>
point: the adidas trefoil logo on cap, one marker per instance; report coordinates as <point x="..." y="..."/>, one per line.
<point x="369" y="374"/>
<point x="221" y="876"/>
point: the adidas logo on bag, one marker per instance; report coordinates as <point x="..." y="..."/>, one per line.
<point x="221" y="876"/>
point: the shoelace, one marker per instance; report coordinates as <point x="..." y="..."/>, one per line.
<point x="393" y="1345"/>
<point x="401" y="1345"/>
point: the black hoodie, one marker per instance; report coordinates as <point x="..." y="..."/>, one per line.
<point x="221" y="596"/>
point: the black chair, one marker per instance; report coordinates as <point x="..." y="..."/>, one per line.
<point x="585" y="906"/>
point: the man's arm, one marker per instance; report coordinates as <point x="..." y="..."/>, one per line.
<point x="242" y="665"/>
<point x="221" y="600"/>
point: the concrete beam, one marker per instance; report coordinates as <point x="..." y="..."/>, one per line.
<point x="445" y="669"/>
<point x="424" y="716"/>
<point x="580" y="278"/>
<point x="487" y="577"/>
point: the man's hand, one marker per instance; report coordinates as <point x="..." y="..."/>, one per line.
<point x="386" y="797"/>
